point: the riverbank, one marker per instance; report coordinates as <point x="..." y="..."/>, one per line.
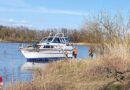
<point x="86" y="44"/>
<point x="108" y="72"/>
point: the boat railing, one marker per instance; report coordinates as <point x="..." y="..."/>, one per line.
<point x="58" y="34"/>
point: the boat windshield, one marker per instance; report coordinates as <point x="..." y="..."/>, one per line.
<point x="62" y="40"/>
<point x="47" y="40"/>
<point x="67" y="40"/>
<point x="56" y="40"/>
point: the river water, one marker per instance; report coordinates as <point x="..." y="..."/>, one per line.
<point x="12" y="62"/>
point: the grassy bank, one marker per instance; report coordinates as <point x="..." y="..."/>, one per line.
<point x="86" y="44"/>
<point x="110" y="71"/>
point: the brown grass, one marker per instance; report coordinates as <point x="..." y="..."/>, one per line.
<point x="92" y="74"/>
<point x="86" y="44"/>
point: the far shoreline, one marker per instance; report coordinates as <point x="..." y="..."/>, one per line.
<point x="76" y="44"/>
<point x="15" y="41"/>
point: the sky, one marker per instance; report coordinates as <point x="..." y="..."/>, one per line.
<point x="44" y="14"/>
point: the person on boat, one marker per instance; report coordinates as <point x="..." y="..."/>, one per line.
<point x="75" y="52"/>
<point x="35" y="45"/>
<point x="91" y="51"/>
<point x="66" y="53"/>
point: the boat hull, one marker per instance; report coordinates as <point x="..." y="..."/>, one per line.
<point x="46" y="55"/>
<point x="44" y="60"/>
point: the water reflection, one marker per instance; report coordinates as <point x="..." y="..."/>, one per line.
<point x="11" y="61"/>
<point x="31" y="65"/>
<point x="5" y="53"/>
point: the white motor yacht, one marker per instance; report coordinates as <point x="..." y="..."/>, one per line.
<point x="51" y="48"/>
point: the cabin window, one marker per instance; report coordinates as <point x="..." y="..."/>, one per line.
<point x="47" y="40"/>
<point x="56" y="40"/>
<point x="67" y="40"/>
<point x="62" y="40"/>
<point x="48" y="46"/>
<point x="50" y="39"/>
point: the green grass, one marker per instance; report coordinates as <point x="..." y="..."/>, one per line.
<point x="115" y="87"/>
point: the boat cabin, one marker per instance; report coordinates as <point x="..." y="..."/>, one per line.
<point x="62" y="40"/>
<point x="52" y="41"/>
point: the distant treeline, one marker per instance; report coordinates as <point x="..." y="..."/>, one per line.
<point x="21" y="34"/>
<point x="100" y="29"/>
